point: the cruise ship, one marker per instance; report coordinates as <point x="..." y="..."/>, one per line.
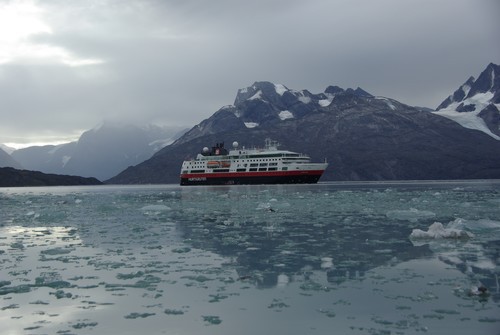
<point x="268" y="165"/>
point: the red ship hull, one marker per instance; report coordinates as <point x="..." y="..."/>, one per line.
<point x="248" y="178"/>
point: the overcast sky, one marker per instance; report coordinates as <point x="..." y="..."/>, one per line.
<point x="65" y="66"/>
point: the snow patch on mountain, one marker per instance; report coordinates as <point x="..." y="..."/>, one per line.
<point x="161" y="143"/>
<point x="466" y="89"/>
<point x="251" y="124"/>
<point x="256" y="96"/>
<point x="304" y="99"/>
<point x="388" y="102"/>
<point x="280" y="89"/>
<point x="284" y="115"/>
<point x="65" y="160"/>
<point x="325" y="102"/>
<point x="470" y="119"/>
<point x="57" y="147"/>
<point x="467" y="120"/>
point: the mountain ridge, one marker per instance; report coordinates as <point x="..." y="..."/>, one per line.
<point x="364" y="137"/>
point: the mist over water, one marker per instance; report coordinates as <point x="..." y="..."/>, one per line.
<point x="283" y="259"/>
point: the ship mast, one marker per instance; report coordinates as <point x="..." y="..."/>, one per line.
<point x="271" y="145"/>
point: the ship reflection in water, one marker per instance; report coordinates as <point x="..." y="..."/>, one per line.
<point x="214" y="259"/>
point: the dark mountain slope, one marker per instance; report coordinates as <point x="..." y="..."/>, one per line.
<point x="10" y="177"/>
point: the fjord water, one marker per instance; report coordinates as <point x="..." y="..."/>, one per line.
<point x="279" y="259"/>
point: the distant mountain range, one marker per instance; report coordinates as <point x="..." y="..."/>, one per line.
<point x="101" y="152"/>
<point x="362" y="136"/>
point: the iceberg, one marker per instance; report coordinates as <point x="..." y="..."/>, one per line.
<point x="438" y="231"/>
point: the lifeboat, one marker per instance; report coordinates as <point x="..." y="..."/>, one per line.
<point x="213" y="164"/>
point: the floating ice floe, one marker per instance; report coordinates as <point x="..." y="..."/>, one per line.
<point x="326" y="262"/>
<point x="155" y="208"/>
<point x="283" y="280"/>
<point x="438" y="231"/>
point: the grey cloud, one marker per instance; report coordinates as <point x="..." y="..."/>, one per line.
<point x="179" y="61"/>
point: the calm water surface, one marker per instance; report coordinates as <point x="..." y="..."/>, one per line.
<point x="295" y="259"/>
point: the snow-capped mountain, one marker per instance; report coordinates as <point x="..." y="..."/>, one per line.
<point x="363" y="137"/>
<point x="100" y="152"/>
<point x="476" y="104"/>
<point x="265" y="102"/>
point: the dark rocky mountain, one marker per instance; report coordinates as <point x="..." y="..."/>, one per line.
<point x="7" y="161"/>
<point x="10" y="177"/>
<point x="476" y="103"/>
<point x="363" y="137"/>
<point x="101" y="152"/>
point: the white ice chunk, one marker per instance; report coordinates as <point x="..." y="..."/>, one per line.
<point x="283" y="280"/>
<point x="438" y="231"/>
<point x="326" y="262"/>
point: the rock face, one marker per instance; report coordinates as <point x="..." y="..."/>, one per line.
<point x="10" y="177"/>
<point x="476" y="103"/>
<point x="363" y="137"/>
